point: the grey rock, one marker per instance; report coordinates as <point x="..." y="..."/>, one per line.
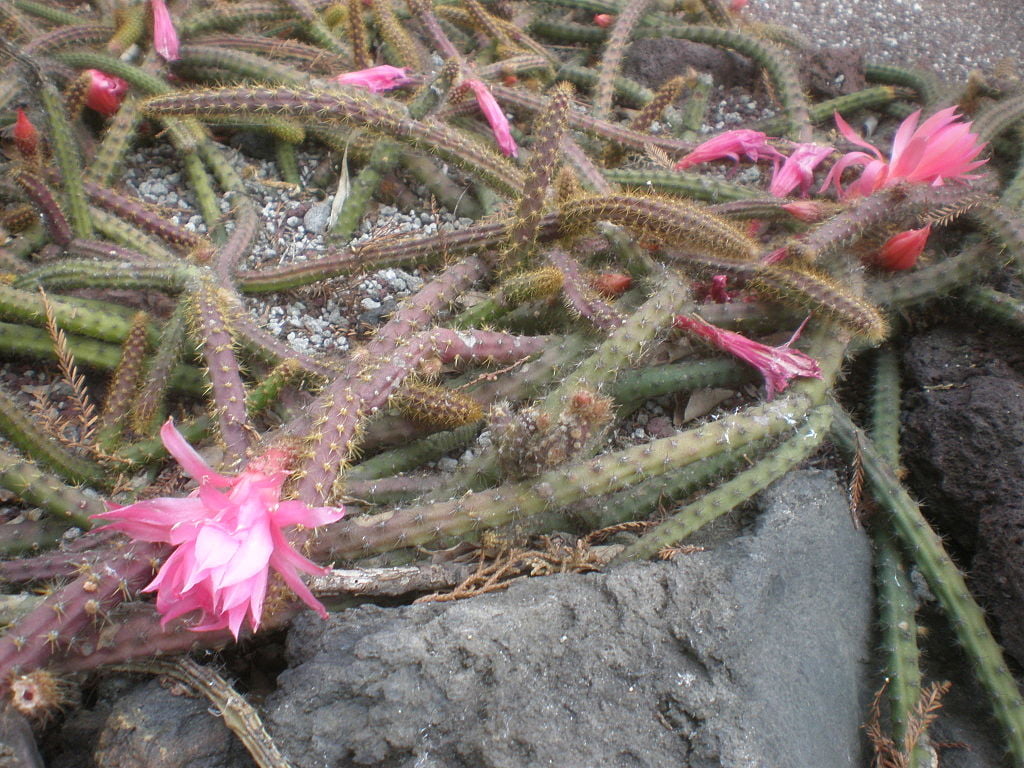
<point x="749" y="655"/>
<point x="316" y="217"/>
<point x="17" y="746"/>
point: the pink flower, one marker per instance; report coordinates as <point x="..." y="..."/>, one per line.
<point x="900" y="251"/>
<point x="940" y="148"/>
<point x="376" y="79"/>
<point x="105" y="92"/>
<point x="777" y="364"/>
<point x="798" y="170"/>
<point x="604" y="19"/>
<point x="730" y="144"/>
<point x="227" y="535"/>
<point x="738" y="5"/>
<point x="165" y="38"/>
<point x="495" y="117"/>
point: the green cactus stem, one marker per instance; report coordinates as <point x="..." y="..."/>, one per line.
<point x="582" y="298"/>
<point x="615" y="47"/>
<point x="727" y="496"/>
<point x="348" y="106"/>
<point x="896" y="602"/>
<point x="121" y="392"/>
<point x="43" y="490"/>
<point x="995" y="305"/>
<point x="945" y="581"/>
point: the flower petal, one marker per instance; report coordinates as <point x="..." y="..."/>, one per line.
<point x="186" y="456"/>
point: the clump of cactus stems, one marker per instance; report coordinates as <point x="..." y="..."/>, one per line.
<point x="549" y="361"/>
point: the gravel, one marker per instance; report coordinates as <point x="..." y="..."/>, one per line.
<point x="950" y="36"/>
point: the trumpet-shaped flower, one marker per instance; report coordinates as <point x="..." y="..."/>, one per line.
<point x="227" y="536"/>
<point x="165" y="37"/>
<point x="900" y="251"/>
<point x="798" y="170"/>
<point x="495" y="117"/>
<point x="105" y="92"/>
<point x="376" y="79"/>
<point x="777" y="364"/>
<point x="941" y="148"/>
<point x="731" y="144"/>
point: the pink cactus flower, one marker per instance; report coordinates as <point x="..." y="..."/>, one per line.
<point x="900" y="251"/>
<point x="777" y="364"/>
<point x="604" y="20"/>
<point x="165" y="37"/>
<point x="495" y="117"/>
<point x="798" y="170"/>
<point x="738" y="5"/>
<point x="105" y="92"/>
<point x="730" y="144"/>
<point x="941" y="148"/>
<point x="376" y="79"/>
<point x="227" y="536"/>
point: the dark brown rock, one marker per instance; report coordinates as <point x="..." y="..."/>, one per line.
<point x="830" y="72"/>
<point x="964" y="444"/>
<point x="652" y="62"/>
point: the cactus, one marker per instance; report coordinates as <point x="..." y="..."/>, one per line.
<point x="562" y="365"/>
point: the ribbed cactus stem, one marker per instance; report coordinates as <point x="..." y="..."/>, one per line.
<point x="371" y="377"/>
<point x="121" y="392"/>
<point x="727" y="496"/>
<point x="57" y="226"/>
<point x="146" y="218"/>
<point x="28" y="435"/>
<point x="564" y="485"/>
<point x="896" y="602"/>
<point x="995" y="305"/>
<point x="615" y="47"/>
<point x="548" y="130"/>
<point x="212" y="331"/>
<point x="43" y="490"/>
<point x="54" y="626"/>
<point x="348" y="106"/>
<point x="582" y="299"/>
<point x="945" y="581"/>
<point x="624" y="346"/>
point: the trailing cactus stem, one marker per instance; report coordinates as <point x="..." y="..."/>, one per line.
<point x="43" y="490"/>
<point x="729" y="495"/>
<point x="945" y="581"/>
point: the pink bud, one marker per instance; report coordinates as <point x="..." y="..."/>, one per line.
<point x="495" y="117"/>
<point x="165" y="38"/>
<point x="604" y="20"/>
<point x="376" y="79"/>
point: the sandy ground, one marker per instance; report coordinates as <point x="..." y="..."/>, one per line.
<point x="950" y="36"/>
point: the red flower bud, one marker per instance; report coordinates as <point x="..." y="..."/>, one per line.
<point x="900" y="251"/>
<point x="26" y="137"/>
<point x="105" y="92"/>
<point x="612" y="284"/>
<point x="604" y="19"/>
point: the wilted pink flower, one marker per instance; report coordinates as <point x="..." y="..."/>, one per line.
<point x="105" y="92"/>
<point x="604" y="19"/>
<point x="165" y="38"/>
<point x="375" y="79"/>
<point x="777" y="364"/>
<point x="900" y="251"/>
<point x="730" y="144"/>
<point x="806" y="210"/>
<point x="495" y="117"/>
<point x="798" y="170"/>
<point x="942" y="147"/>
<point x="719" y="292"/>
<point x="227" y="536"/>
